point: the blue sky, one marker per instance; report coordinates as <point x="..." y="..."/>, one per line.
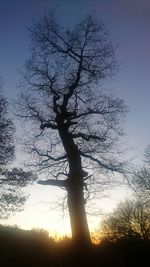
<point x="128" y="22"/>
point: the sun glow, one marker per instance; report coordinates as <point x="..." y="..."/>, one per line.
<point x="56" y="227"/>
<point x="44" y="211"/>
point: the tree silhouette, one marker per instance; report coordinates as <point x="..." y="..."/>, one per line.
<point x="6" y="134"/>
<point x="74" y="125"/>
<point x="130" y="219"/>
<point x="140" y="179"/>
<point x="11" y="198"/>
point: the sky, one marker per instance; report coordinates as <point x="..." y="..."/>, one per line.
<point x="128" y="22"/>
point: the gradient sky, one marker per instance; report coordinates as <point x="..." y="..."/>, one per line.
<point x="128" y="22"/>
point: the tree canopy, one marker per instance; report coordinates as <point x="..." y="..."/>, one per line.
<point x="12" y="198"/>
<point x="6" y="134"/>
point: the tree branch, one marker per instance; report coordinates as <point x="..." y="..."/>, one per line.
<point x="53" y="182"/>
<point x="48" y="156"/>
<point x="87" y="137"/>
<point x="110" y="166"/>
<point x="72" y="87"/>
<point x="48" y="125"/>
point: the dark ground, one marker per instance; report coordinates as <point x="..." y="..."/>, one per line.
<point x="20" y="248"/>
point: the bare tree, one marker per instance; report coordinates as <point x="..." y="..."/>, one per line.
<point x="141" y="177"/>
<point x="74" y="126"/>
<point x="130" y="219"/>
<point x="147" y="155"/>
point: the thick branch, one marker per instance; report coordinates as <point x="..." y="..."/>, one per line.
<point x="48" y="125"/>
<point x="87" y="137"/>
<point x="53" y="182"/>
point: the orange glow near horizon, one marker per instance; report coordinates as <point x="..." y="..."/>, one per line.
<point x="57" y="227"/>
<point x="42" y="211"/>
<point x="58" y="236"/>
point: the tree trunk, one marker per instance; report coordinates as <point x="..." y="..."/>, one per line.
<point x="78" y="220"/>
<point x="76" y="203"/>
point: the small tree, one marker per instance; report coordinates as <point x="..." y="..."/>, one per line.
<point x="147" y="155"/>
<point x="11" y="198"/>
<point x="75" y="126"/>
<point x="6" y="134"/>
<point x="130" y="219"/>
<point x="141" y="177"/>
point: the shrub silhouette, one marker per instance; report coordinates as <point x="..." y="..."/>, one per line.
<point x="22" y="248"/>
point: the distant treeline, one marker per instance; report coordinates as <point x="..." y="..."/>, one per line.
<point x="21" y="248"/>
